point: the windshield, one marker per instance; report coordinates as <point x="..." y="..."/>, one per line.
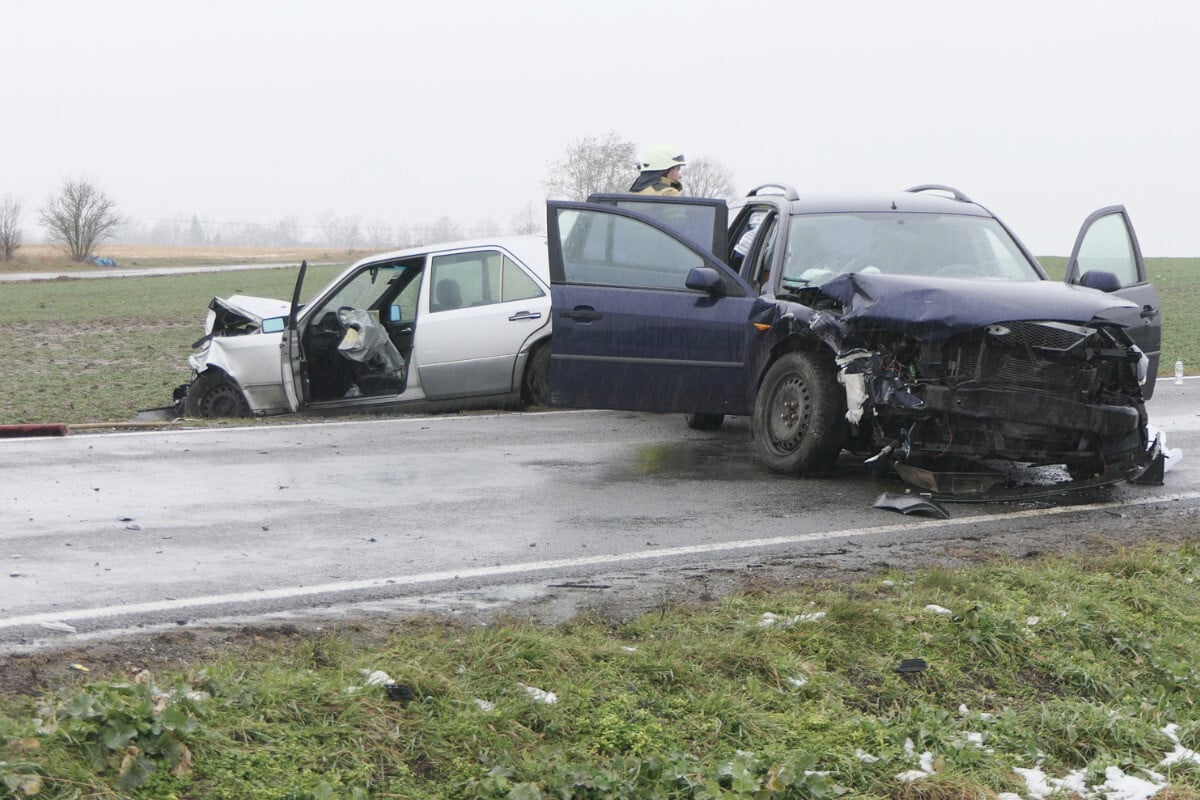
<point x="821" y="246"/>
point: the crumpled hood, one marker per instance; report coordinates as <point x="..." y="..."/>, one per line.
<point x="254" y="308"/>
<point x="937" y="308"/>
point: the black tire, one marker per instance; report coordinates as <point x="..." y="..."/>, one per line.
<point x="535" y="383"/>
<point x="799" y="415"/>
<point x="703" y="422"/>
<point x="214" y="395"/>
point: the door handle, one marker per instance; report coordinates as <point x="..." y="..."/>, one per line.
<point x="582" y="313"/>
<point x="520" y="315"/>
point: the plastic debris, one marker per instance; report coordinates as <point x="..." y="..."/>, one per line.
<point x="911" y="504"/>
<point x="937" y="609"/>
<point x="798" y="681"/>
<point x="539" y="695"/>
<point x="768" y="619"/>
<point x="377" y="678"/>
<point x="865" y="757"/>
<point x="400" y="692"/>
<point x="912" y="665"/>
<point x="485" y="706"/>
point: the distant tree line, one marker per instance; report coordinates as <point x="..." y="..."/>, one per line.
<point x="81" y="216"/>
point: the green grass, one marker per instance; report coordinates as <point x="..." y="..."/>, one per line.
<point x="1066" y="664"/>
<point x="99" y="350"/>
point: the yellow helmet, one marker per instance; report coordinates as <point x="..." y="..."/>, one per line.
<point x="661" y="157"/>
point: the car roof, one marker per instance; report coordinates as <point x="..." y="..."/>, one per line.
<point x="900" y="202"/>
<point x="530" y="250"/>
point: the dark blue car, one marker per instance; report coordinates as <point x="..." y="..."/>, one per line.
<point x="913" y="328"/>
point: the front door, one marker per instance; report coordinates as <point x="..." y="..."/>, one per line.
<point x="629" y="330"/>
<point x="1107" y="244"/>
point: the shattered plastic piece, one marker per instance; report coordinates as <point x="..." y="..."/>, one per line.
<point x="911" y="775"/>
<point x="377" y="678"/>
<point x="59" y="626"/>
<point x="912" y="665"/>
<point x="911" y="504"/>
<point x="865" y="757"/>
<point x="798" y="682"/>
<point x="768" y="619"/>
<point x="399" y="692"/>
<point x="539" y="695"/>
<point x="937" y="609"/>
<point x="485" y="705"/>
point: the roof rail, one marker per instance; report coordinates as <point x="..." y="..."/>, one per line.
<point x="788" y="192"/>
<point x="927" y="187"/>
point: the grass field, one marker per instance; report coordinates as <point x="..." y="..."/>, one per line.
<point x="98" y="350"/>
<point x="1078" y="674"/>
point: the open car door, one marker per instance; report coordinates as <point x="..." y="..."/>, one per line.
<point x="293" y="369"/>
<point x="1106" y="256"/>
<point x="645" y="318"/>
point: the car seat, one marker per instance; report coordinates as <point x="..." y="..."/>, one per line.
<point x="448" y="295"/>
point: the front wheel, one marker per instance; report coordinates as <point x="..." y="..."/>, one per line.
<point x="535" y="385"/>
<point x="214" y="395"/>
<point x="799" y="414"/>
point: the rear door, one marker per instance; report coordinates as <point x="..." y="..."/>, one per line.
<point x="483" y="306"/>
<point x="629" y="332"/>
<point x="1107" y="244"/>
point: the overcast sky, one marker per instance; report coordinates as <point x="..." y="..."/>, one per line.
<point x="1043" y="110"/>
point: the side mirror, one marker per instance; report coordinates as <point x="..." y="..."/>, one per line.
<point x="1099" y="279"/>
<point x="707" y="280"/>
<point x="273" y="324"/>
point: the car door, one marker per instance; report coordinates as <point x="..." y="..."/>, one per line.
<point x="1107" y="246"/>
<point x="644" y="318"/>
<point x="324" y="362"/>
<point x="482" y="306"/>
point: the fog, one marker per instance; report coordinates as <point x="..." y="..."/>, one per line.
<point x="403" y="114"/>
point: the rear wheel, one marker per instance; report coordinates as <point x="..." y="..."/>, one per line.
<point x="535" y="385"/>
<point x="799" y="414"/>
<point x="704" y="422"/>
<point x="214" y="395"/>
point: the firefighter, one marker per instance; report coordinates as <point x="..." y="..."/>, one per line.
<point x="660" y="167"/>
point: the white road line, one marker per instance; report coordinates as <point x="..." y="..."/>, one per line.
<point x="566" y="563"/>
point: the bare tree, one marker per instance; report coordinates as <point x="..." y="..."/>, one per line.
<point x="707" y="177"/>
<point x="79" y="218"/>
<point x="593" y="164"/>
<point x="525" y="221"/>
<point x="10" y="226"/>
<point x="379" y="233"/>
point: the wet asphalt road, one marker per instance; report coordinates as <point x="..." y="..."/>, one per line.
<point x="151" y="529"/>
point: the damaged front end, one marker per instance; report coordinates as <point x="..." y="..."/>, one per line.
<point x="241" y="349"/>
<point x="940" y="386"/>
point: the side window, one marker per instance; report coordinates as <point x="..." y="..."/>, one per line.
<point x="1107" y="248"/>
<point x="463" y="280"/>
<point x="601" y="249"/>
<point x="516" y="284"/>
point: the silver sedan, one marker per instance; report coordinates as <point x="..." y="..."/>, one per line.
<point x="458" y="325"/>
